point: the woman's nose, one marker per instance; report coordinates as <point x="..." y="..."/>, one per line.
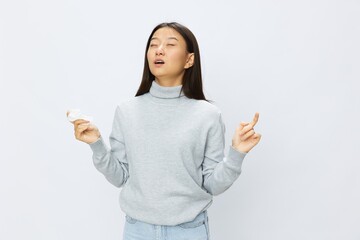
<point x="160" y="50"/>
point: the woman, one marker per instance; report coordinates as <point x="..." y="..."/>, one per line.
<point x="167" y="144"/>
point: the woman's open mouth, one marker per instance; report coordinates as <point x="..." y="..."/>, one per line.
<point x="159" y="62"/>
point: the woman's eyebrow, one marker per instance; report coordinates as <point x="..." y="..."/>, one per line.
<point x="155" y="38"/>
<point x="173" y="38"/>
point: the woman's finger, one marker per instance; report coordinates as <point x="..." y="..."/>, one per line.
<point x="242" y="125"/>
<point x="246" y="129"/>
<point x="255" y="120"/>
<point x="247" y="135"/>
<point x="257" y="136"/>
<point x="78" y="122"/>
<point x="245" y="126"/>
<point x="82" y="127"/>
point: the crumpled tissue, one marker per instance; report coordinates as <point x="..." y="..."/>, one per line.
<point x="75" y="114"/>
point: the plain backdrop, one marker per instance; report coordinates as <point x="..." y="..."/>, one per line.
<point x="295" y="62"/>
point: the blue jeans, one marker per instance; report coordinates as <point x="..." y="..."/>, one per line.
<point x="198" y="229"/>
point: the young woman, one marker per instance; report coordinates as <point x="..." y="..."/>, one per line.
<point x="167" y="144"/>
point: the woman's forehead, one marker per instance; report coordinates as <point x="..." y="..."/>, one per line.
<point x="166" y="32"/>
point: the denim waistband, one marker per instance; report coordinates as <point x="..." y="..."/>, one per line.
<point x="201" y="218"/>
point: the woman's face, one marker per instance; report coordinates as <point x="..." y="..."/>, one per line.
<point x="167" y="55"/>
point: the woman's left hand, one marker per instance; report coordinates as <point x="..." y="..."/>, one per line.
<point x="245" y="137"/>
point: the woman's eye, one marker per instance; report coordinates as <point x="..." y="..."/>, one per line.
<point x="152" y="45"/>
<point x="171" y="44"/>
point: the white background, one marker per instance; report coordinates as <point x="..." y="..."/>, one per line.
<point x="295" y="62"/>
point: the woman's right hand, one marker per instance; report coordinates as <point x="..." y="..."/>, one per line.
<point x="85" y="131"/>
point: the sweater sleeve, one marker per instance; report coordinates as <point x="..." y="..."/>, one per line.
<point x="220" y="171"/>
<point x="112" y="162"/>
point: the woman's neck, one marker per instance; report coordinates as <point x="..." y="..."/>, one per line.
<point x="166" y="82"/>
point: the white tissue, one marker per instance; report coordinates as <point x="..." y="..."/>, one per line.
<point x="75" y="114"/>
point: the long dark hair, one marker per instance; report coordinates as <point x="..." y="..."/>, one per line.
<point x="192" y="80"/>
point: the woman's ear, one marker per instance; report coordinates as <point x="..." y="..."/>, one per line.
<point x="189" y="61"/>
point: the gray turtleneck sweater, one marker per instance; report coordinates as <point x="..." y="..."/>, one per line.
<point x="167" y="154"/>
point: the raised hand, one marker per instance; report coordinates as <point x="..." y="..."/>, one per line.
<point x="245" y="137"/>
<point x="85" y="131"/>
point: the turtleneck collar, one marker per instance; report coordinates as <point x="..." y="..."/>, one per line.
<point x="159" y="91"/>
